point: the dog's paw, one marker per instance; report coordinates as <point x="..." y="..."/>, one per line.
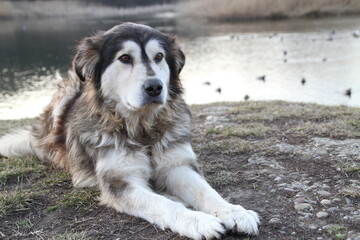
<point x="198" y="225"/>
<point x="238" y="219"/>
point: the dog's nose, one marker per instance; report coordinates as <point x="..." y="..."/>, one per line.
<point x="153" y="87"/>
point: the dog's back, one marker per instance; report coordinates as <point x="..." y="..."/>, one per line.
<point x="47" y="132"/>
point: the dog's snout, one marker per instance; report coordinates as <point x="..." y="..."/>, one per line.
<point x="153" y="87"/>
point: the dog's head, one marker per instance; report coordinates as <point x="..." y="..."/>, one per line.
<point x="131" y="64"/>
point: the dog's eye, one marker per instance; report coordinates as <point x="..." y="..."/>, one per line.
<point x="159" y="57"/>
<point x="125" y="58"/>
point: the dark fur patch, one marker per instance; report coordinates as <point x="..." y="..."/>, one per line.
<point x="115" y="184"/>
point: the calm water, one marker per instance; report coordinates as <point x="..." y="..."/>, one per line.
<point x="224" y="60"/>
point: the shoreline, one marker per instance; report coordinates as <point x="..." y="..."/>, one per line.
<point x="228" y="11"/>
<point x="72" y="10"/>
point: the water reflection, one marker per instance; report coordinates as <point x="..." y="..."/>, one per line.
<point x="228" y="57"/>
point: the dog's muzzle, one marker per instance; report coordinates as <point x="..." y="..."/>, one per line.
<point x="153" y="88"/>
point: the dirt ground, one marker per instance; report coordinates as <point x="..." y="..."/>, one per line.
<point x="297" y="165"/>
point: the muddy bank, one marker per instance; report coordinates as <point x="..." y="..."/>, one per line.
<point x="298" y="165"/>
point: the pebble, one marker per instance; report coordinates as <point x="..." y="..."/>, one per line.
<point x="336" y="200"/>
<point x="313" y="227"/>
<point x="303" y="206"/>
<point x="333" y="209"/>
<point x="322" y="214"/>
<point x="324" y="193"/>
<point x="278" y="179"/>
<point x="315" y="185"/>
<point x="274" y="221"/>
<point x="348" y="201"/>
<point x="300" y="200"/>
<point x="350" y="209"/>
<point x="325" y="202"/>
<point x="209" y="118"/>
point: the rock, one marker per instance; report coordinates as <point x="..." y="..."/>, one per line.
<point x="313" y="227"/>
<point x="303" y="206"/>
<point x="336" y="200"/>
<point x="315" y="185"/>
<point x="277" y="179"/>
<point x="274" y="221"/>
<point x="324" y="193"/>
<point x="209" y="118"/>
<point x="325" y="202"/>
<point x="333" y="209"/>
<point x="299" y="200"/>
<point x="322" y="214"/>
<point x="348" y="201"/>
<point x="350" y="209"/>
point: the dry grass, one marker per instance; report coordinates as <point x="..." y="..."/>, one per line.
<point x="245" y="9"/>
<point x="58" y="8"/>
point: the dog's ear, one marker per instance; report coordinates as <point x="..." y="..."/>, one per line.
<point x="177" y="53"/>
<point x="87" y="57"/>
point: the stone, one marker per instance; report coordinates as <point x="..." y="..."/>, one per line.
<point x="274" y="221"/>
<point x="209" y="118"/>
<point x="322" y="214"/>
<point x="277" y="179"/>
<point x="299" y="200"/>
<point x="350" y="209"/>
<point x="348" y="201"/>
<point x="325" y="202"/>
<point x="336" y="200"/>
<point x="324" y="193"/>
<point x="303" y="206"/>
<point x="333" y="209"/>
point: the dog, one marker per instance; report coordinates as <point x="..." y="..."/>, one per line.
<point x="118" y="122"/>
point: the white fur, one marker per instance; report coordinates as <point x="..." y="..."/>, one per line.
<point x="190" y="187"/>
<point x="123" y="82"/>
<point x="16" y="144"/>
<point x="142" y="202"/>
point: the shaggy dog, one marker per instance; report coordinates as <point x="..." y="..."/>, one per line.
<point x="119" y="123"/>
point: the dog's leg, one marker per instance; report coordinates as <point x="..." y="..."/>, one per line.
<point x="184" y="182"/>
<point x="124" y="186"/>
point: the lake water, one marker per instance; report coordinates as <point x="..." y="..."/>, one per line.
<point x="262" y="60"/>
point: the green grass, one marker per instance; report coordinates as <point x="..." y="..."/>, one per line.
<point x="311" y="119"/>
<point x="337" y="232"/>
<point x="20" y="167"/>
<point x="17" y="200"/>
<point x="255" y="130"/>
<point x="351" y="192"/>
<point x="24" y="224"/>
<point x="80" y="198"/>
<point x="72" y="236"/>
<point x="350" y="167"/>
<point x="39" y="178"/>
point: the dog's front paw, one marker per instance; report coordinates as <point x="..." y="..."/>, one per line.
<point x="198" y="225"/>
<point x="237" y="218"/>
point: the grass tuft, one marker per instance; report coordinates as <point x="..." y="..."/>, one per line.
<point x="20" y="167"/>
<point x="80" y="198"/>
<point x="17" y="200"/>
<point x="337" y="232"/>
